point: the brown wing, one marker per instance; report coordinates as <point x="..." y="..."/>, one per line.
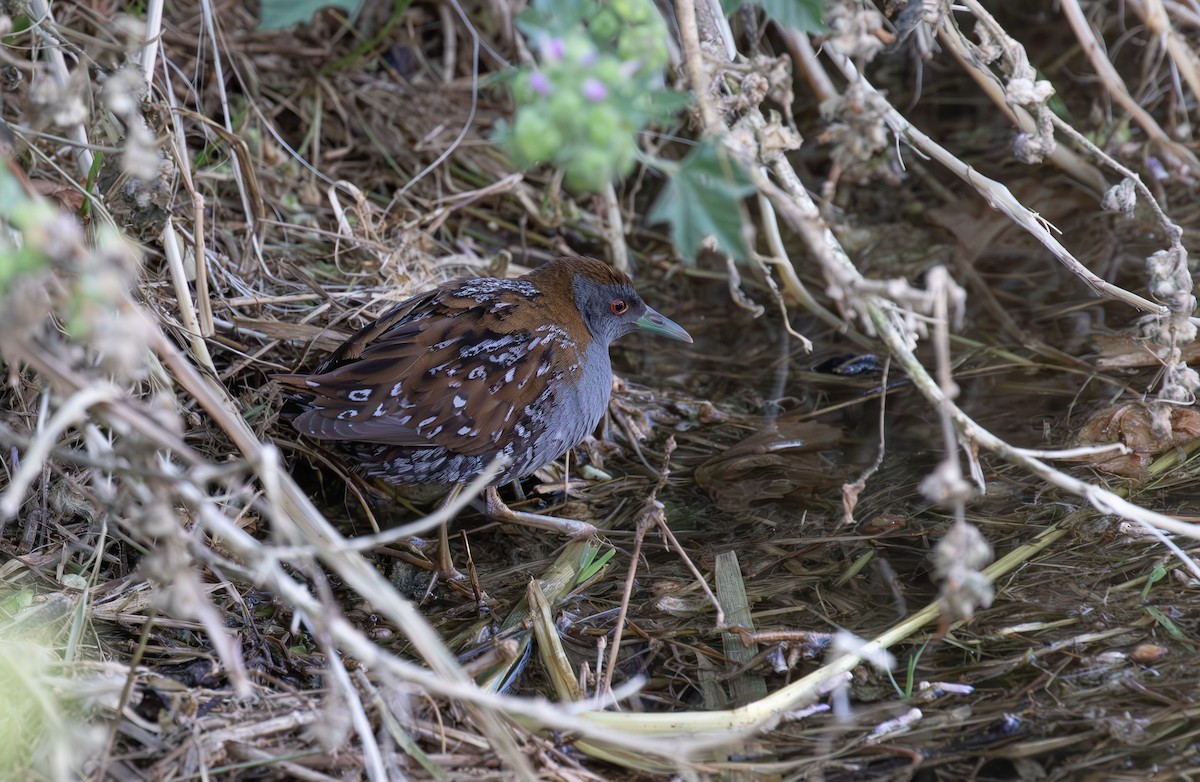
<point x="410" y="310"/>
<point x="454" y="373"/>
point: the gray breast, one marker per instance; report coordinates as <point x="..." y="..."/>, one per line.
<point x="578" y="407"/>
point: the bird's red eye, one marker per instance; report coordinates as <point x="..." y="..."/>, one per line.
<point x="619" y="306"/>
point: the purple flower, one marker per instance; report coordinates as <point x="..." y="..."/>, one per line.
<point x="539" y="83"/>
<point x="553" y="49"/>
<point x="594" y="90"/>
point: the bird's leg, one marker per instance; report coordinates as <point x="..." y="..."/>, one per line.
<point x="444" y="570"/>
<point x="498" y="511"/>
<point x="445" y="566"/>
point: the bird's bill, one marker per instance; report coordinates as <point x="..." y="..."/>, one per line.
<point x="663" y="326"/>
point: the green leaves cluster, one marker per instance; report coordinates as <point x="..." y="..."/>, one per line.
<point x="598" y="82"/>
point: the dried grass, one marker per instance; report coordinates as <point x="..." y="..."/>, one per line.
<point x="183" y="592"/>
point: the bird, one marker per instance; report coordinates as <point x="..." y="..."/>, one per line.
<point x="476" y="369"/>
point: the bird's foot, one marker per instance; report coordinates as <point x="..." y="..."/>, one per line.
<point x="443" y="569"/>
<point x="572" y="528"/>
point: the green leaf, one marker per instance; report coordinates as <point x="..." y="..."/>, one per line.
<point x="802" y="15"/>
<point x="589" y="565"/>
<point x="702" y="198"/>
<point x="661" y="105"/>
<point x="554" y="17"/>
<point x="277" y="14"/>
<point x="1165" y="623"/>
<point x="1157" y="574"/>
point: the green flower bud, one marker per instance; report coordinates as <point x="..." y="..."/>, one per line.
<point x="634" y="11"/>
<point x="589" y="171"/>
<point x="647" y="43"/>
<point x="605" y="25"/>
<point x="567" y="110"/>
<point x="534" y="138"/>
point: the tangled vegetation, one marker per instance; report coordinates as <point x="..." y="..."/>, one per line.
<point x="918" y="504"/>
